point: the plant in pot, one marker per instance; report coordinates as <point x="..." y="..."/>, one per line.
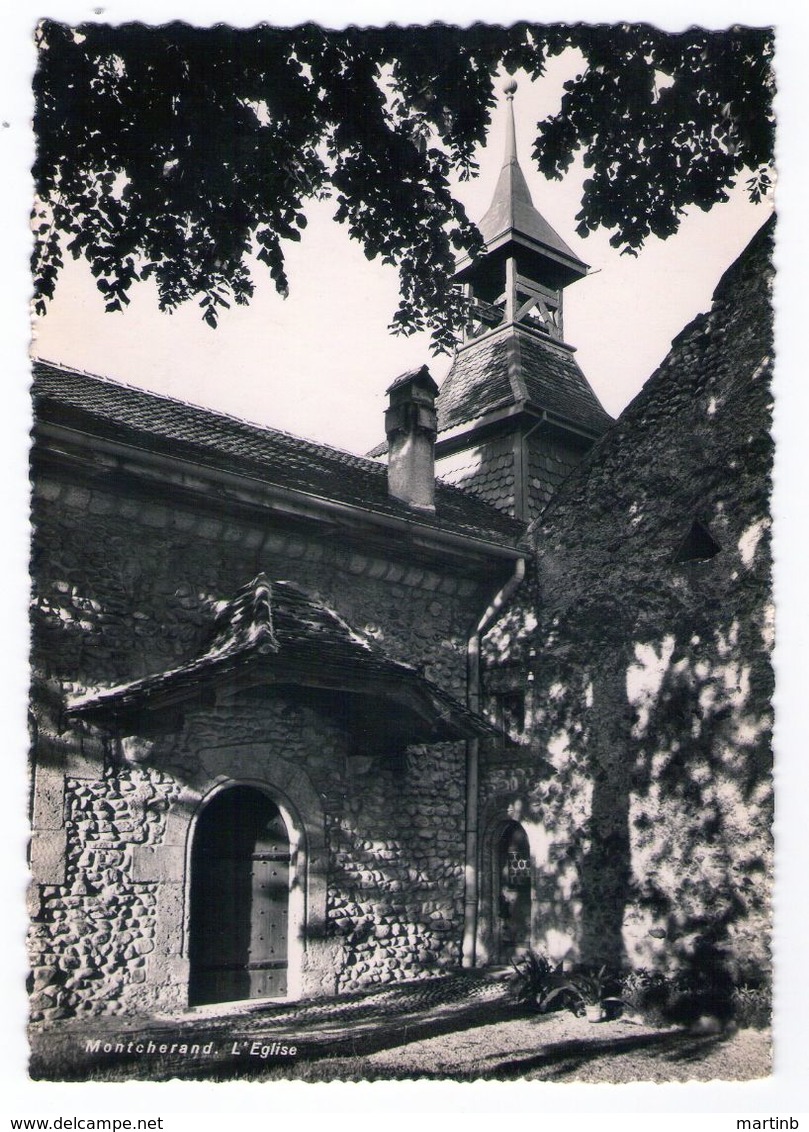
<point x="597" y="995"/>
<point x="591" y="995"/>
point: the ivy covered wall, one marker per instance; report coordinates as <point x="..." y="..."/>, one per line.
<point x="644" y="777"/>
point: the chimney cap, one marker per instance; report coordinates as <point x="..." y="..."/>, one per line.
<point x="422" y="374"/>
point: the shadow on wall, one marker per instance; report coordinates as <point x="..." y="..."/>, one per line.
<point x="650" y="774"/>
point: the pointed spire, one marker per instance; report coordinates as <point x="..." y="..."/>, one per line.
<point x="510" y="88"/>
<point x="511" y="217"/>
<point x="512" y="186"/>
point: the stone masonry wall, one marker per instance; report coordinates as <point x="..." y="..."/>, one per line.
<point x="645" y="780"/>
<point x="93" y="934"/>
<point x="396" y="892"/>
<point x="127" y="586"/>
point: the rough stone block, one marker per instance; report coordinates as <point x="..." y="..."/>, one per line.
<point x="209" y="528"/>
<point x="77" y="497"/>
<point x="49" y="800"/>
<point x="100" y="504"/>
<point x="158" y="863"/>
<point x="275" y="543"/>
<point x="253" y="537"/>
<point x="183" y="520"/>
<point x="358" y="563"/>
<point x="48" y="856"/>
<point x="47" y="489"/>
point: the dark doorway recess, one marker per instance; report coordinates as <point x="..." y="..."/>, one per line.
<point x="239" y="899"/>
<point x="514" y="893"/>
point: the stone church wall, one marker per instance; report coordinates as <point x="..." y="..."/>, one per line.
<point x="644" y="780"/>
<point x="127" y="586"/>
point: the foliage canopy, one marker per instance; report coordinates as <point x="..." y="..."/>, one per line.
<point x="174" y="152"/>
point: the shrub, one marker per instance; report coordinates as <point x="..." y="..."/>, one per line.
<point x="752" y="1007"/>
<point x="537" y="984"/>
<point x="689" y="995"/>
<point x="645" y="993"/>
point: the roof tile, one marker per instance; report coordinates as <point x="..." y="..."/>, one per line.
<point x="479" y="382"/>
<point x="159" y="423"/>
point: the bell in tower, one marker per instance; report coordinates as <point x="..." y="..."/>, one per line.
<point x="515" y="412"/>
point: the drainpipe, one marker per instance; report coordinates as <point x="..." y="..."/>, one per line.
<point x="522" y="469"/>
<point x="468" y="954"/>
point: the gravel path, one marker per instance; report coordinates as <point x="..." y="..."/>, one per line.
<point x="461" y="1026"/>
<point x="562" y="1047"/>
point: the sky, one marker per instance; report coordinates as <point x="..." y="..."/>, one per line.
<point x="317" y="363"/>
<point x="621" y="319"/>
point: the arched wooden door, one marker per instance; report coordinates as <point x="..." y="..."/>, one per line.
<point x="513" y="893"/>
<point x="240" y="865"/>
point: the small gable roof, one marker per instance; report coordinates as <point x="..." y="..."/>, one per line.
<point x="276" y="637"/>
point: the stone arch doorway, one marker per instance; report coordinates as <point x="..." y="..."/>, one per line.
<point x="512" y="893"/>
<point x="239" y="906"/>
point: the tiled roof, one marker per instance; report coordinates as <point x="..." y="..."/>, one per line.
<point x="487" y="469"/>
<point x="513" y="211"/>
<point x="274" y="634"/>
<point x="163" y="424"/>
<point x="477" y="383"/>
<point x="516" y="367"/>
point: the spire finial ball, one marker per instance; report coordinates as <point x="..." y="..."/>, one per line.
<point x="509" y="87"/>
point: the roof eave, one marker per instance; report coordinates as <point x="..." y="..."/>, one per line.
<point x="458" y="436"/>
<point x="509" y="235"/>
<point x="424" y="713"/>
<point x="293" y="501"/>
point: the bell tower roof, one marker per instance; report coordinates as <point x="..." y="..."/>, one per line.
<point x="512" y="223"/>
<point x="515" y="412"/>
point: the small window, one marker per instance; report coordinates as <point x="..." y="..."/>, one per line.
<point x="698" y="545"/>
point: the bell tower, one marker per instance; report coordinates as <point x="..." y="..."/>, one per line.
<point x="515" y="411"/>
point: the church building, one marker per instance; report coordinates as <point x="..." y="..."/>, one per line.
<point x="305" y="722"/>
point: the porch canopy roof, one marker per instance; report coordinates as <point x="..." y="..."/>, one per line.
<point x="274" y="637"/>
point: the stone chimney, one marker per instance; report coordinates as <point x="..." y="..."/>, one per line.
<point x="411" y="426"/>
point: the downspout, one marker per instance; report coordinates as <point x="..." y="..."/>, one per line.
<point x="523" y="469"/>
<point x="468" y="954"/>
